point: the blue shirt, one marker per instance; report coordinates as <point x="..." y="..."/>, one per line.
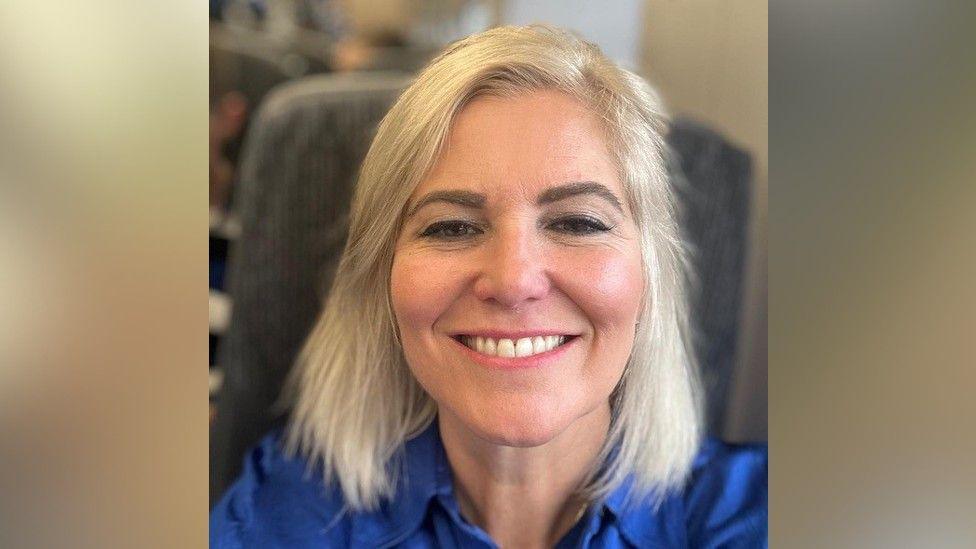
<point x="277" y="503"/>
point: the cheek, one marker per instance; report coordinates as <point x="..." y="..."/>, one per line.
<point x="607" y="285"/>
<point x="422" y="289"/>
<point x="419" y="297"/>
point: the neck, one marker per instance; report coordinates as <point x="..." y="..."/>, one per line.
<point x="523" y="497"/>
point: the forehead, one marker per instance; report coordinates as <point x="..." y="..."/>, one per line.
<point x="522" y="145"/>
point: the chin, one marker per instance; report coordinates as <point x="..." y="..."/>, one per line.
<point x="521" y="427"/>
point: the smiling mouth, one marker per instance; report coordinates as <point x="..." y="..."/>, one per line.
<point x="513" y="348"/>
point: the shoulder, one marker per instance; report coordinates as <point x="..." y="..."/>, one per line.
<point x="726" y="498"/>
<point x="278" y="501"/>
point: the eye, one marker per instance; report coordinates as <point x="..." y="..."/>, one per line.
<point x="578" y="225"/>
<point x="450" y="230"/>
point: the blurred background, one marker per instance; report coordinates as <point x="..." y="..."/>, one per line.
<point x="296" y="90"/>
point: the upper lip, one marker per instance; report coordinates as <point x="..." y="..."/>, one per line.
<point x="516" y="334"/>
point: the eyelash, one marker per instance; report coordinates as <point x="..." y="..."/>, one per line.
<point x="583" y="225"/>
<point x="438" y="230"/>
<point x="574" y="225"/>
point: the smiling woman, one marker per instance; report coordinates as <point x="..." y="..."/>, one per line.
<point x="522" y="258"/>
<point x="503" y="358"/>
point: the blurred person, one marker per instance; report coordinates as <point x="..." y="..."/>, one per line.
<point x="283" y="17"/>
<point x="503" y="358"/>
<point x="248" y="13"/>
<point x="227" y="120"/>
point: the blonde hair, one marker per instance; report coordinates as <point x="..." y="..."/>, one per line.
<point x="356" y="402"/>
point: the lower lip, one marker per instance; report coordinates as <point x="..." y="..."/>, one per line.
<point x="516" y="363"/>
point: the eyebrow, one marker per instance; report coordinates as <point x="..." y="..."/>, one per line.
<point x="467" y="199"/>
<point x="474" y="200"/>
<point x="576" y="188"/>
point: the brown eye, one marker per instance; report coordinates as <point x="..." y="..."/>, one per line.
<point x="448" y="230"/>
<point x="578" y="225"/>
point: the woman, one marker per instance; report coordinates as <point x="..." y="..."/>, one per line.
<point x="502" y="359"/>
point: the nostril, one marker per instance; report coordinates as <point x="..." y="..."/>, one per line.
<point x="511" y="285"/>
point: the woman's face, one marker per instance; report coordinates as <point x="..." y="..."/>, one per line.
<point x="517" y="277"/>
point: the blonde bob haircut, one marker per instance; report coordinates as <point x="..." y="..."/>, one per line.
<point x="355" y="401"/>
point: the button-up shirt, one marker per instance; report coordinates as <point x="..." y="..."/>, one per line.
<point x="279" y="502"/>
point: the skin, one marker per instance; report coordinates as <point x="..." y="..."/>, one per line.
<point x="520" y="440"/>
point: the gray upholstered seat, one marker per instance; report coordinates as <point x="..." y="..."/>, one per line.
<point x="714" y="181"/>
<point x="299" y="164"/>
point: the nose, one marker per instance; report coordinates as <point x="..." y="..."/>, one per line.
<point x="513" y="270"/>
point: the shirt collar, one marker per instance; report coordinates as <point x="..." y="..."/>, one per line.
<point x="424" y="473"/>
<point x="640" y="519"/>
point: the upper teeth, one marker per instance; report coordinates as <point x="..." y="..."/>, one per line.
<point x="508" y="348"/>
